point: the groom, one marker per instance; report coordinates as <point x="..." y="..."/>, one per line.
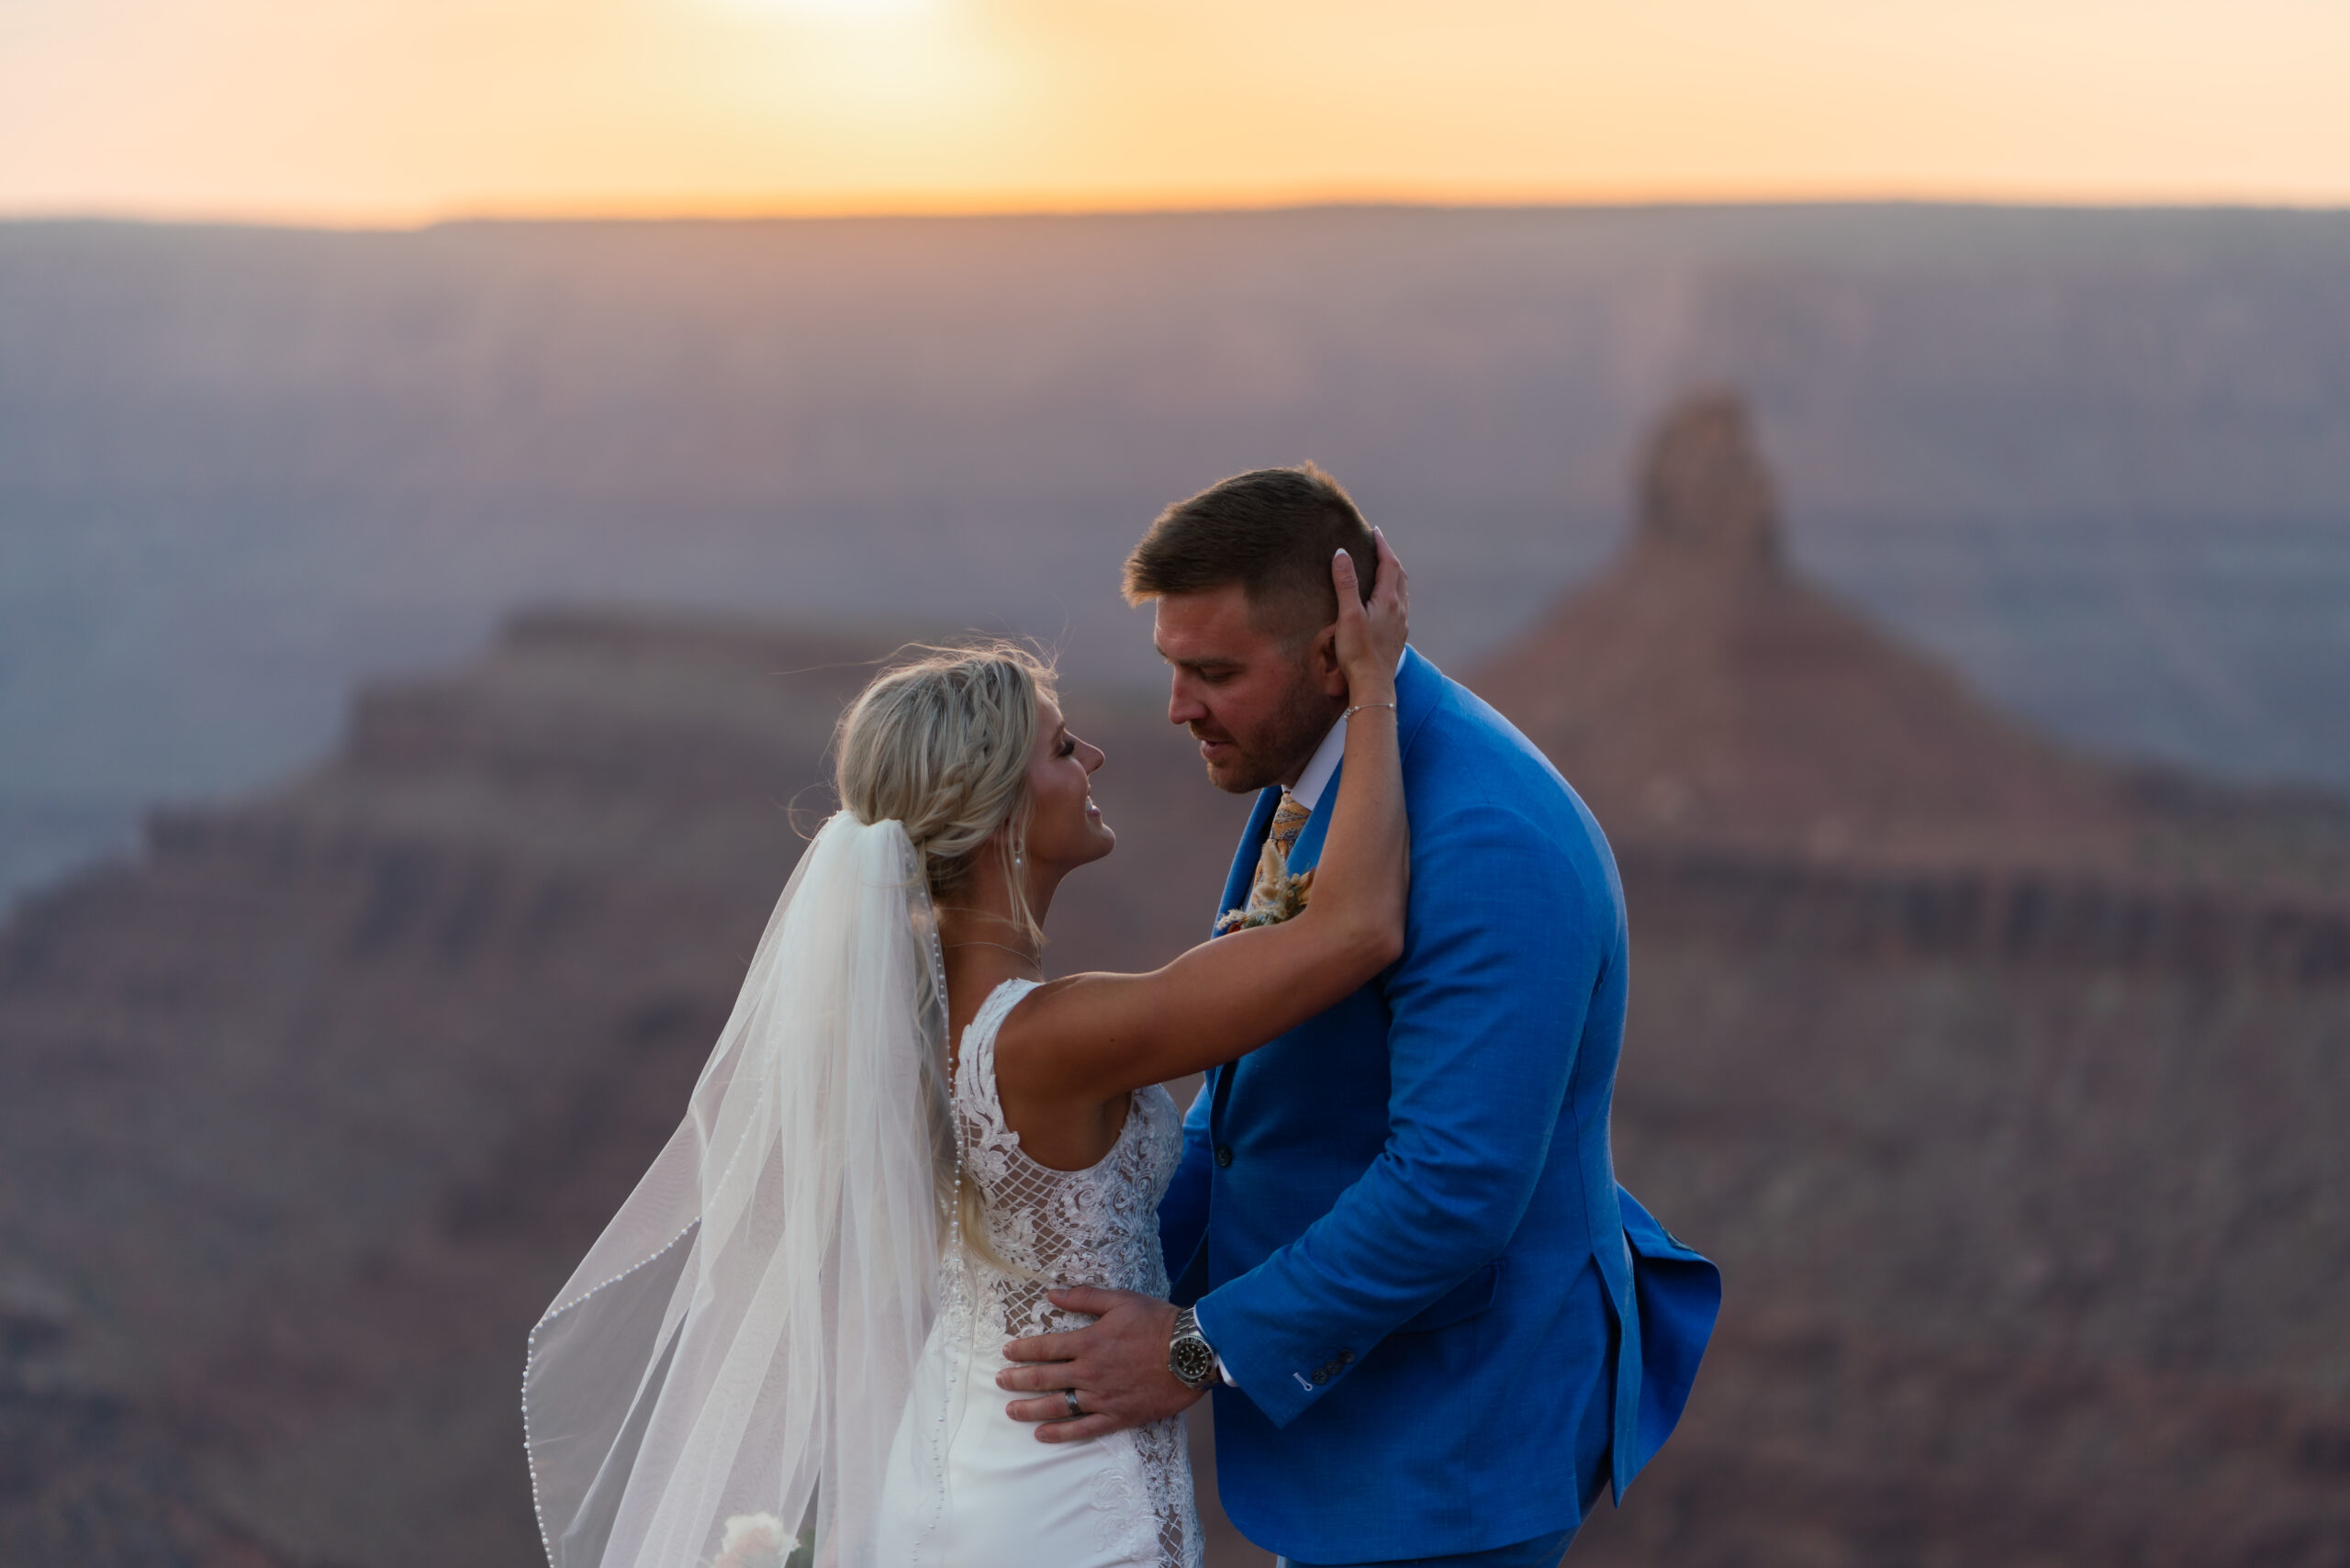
<point x="1434" y="1326"/>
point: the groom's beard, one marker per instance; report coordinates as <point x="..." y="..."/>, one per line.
<point x="1277" y="751"/>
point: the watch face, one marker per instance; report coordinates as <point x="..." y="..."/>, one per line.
<point x="1193" y="1362"/>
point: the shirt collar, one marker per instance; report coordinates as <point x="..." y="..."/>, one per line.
<point x="1326" y="757"/>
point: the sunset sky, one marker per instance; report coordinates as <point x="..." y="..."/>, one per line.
<point x="403" y="110"/>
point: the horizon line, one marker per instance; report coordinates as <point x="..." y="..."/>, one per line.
<point x="906" y="206"/>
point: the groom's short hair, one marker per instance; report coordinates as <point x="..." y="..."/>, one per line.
<point x="1273" y="531"/>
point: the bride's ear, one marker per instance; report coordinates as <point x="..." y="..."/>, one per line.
<point x="1007" y="844"/>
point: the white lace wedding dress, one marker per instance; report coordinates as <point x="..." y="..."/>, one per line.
<point x="969" y="1487"/>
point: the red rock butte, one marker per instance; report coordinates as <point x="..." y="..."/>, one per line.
<point x="1700" y="691"/>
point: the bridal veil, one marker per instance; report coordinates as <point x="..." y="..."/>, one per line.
<point x="734" y="1356"/>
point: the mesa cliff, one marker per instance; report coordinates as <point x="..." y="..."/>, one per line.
<point x="2003" y="1082"/>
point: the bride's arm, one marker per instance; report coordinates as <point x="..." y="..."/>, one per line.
<point x="1095" y="1036"/>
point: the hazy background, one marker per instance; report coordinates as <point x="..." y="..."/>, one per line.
<point x="2097" y="456"/>
<point x="2100" y="459"/>
<point x="361" y="926"/>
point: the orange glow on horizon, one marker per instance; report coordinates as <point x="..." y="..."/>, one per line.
<point x="403" y="111"/>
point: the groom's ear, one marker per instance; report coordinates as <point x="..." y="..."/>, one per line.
<point x="1322" y="662"/>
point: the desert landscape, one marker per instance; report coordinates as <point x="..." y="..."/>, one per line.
<point x="2003" y="1080"/>
<point x="2093" y="459"/>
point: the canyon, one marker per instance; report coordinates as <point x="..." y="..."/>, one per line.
<point x="2003" y="1080"/>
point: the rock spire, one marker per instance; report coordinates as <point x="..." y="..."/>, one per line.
<point x="1705" y="492"/>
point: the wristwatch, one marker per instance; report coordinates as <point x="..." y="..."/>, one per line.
<point x="1190" y="1357"/>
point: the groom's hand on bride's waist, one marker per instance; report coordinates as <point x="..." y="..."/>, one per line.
<point x="1117" y="1365"/>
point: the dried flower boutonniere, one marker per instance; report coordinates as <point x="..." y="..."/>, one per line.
<point x="1275" y="897"/>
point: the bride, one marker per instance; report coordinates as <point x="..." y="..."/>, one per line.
<point x="782" y="1350"/>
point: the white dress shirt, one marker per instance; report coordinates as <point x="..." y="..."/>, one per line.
<point x="1326" y="759"/>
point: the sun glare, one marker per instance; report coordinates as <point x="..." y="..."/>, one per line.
<point x="402" y="110"/>
<point x="836" y="11"/>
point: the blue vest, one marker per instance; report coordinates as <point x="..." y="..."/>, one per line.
<point x="1400" y="1220"/>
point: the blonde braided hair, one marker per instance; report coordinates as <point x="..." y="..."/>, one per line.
<point x="941" y="744"/>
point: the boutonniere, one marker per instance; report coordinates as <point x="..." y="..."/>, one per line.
<point x="1275" y="897"/>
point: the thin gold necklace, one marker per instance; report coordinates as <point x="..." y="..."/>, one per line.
<point x="1030" y="958"/>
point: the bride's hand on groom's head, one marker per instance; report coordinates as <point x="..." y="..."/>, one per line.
<point x="1371" y="636"/>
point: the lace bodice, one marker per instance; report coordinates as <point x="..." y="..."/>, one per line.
<point x="1094" y="1226"/>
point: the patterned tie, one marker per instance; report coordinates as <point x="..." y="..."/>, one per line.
<point x="1288" y="821"/>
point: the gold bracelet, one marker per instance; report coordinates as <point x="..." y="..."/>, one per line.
<point x="1360" y="706"/>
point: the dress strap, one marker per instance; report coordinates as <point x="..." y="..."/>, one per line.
<point x="975" y="1061"/>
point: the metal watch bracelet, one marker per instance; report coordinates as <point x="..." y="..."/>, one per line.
<point x="1189" y="1357"/>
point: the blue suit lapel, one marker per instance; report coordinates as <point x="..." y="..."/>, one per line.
<point x="1418" y="688"/>
<point x="1243" y="875"/>
<point x="1237" y="883"/>
<point x="1307" y="853"/>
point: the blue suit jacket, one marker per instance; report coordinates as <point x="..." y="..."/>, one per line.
<point x="1400" y="1220"/>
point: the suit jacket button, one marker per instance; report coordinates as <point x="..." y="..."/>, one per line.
<point x="1321" y="1374"/>
<point x="1223" y="1155"/>
<point x="1346" y="1358"/>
